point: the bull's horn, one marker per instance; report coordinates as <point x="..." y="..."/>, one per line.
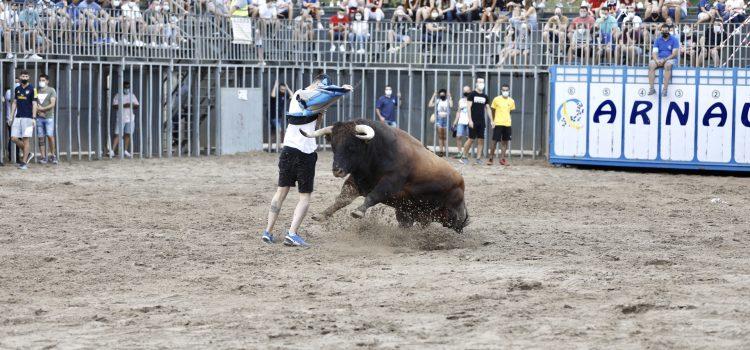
<point x="364" y="132"/>
<point x="317" y="133"/>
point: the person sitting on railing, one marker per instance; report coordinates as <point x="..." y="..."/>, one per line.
<point x="424" y="10"/>
<point x="240" y="8"/>
<point x="713" y="41"/>
<point x="653" y="12"/>
<point x="735" y="11"/>
<point x="8" y="22"/>
<point x="580" y="43"/>
<point x="88" y="21"/>
<point x="630" y="42"/>
<point x="584" y="18"/>
<point x="108" y="25"/>
<point x="373" y="11"/>
<point x="285" y="9"/>
<point x="470" y="10"/>
<point x="32" y="34"/>
<point x="64" y="18"/>
<point x="488" y="11"/>
<point x="411" y="7"/>
<point x="554" y="34"/>
<point x="447" y="9"/>
<point x="664" y="54"/>
<point x="510" y="46"/>
<point x="398" y="36"/>
<point x="339" y="30"/>
<point x="433" y="32"/>
<point x="676" y="9"/>
<point x="607" y="29"/>
<point x="351" y="7"/>
<point x="529" y="14"/>
<point x="303" y="33"/>
<point x="360" y="33"/>
<point x="156" y="24"/>
<point x="132" y="22"/>
<point x="313" y="6"/>
<point x="706" y="11"/>
<point x="688" y="49"/>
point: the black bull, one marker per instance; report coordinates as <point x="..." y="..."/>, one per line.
<point x="387" y="165"/>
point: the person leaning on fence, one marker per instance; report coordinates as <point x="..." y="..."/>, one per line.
<point x="385" y="107"/>
<point x="501" y="123"/>
<point x="663" y="55"/>
<point x="442" y="102"/>
<point x="338" y="31"/>
<point x="297" y="159"/>
<point x="45" y="120"/>
<point x="279" y="100"/>
<point x="462" y="122"/>
<point x="713" y="41"/>
<point x="125" y="119"/>
<point x="23" y="111"/>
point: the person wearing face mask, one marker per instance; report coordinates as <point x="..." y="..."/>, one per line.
<point x="630" y="44"/>
<point x="125" y="123"/>
<point x="713" y="38"/>
<point x="607" y="25"/>
<point x="315" y="10"/>
<point x="8" y="99"/>
<point x="23" y="111"/>
<point x="584" y="18"/>
<point x="398" y="35"/>
<point x="279" y="101"/>
<point x="442" y="102"/>
<point x="479" y="109"/>
<point x="373" y="11"/>
<point x="433" y="33"/>
<point x="45" y="121"/>
<point x="360" y="33"/>
<point x="663" y="55"/>
<point x="338" y="31"/>
<point x="501" y="124"/>
<point x="385" y="107"/>
<point x="462" y="122"/>
<point x="580" y="44"/>
<point x="688" y="49"/>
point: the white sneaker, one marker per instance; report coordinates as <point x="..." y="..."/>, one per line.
<point x="26" y="57"/>
<point x="393" y="50"/>
<point x="9" y="56"/>
<point x="111" y="154"/>
<point x="166" y="45"/>
<point x="128" y="155"/>
<point x="125" y="42"/>
<point x="154" y="44"/>
<point x="175" y="46"/>
<point x="342" y="48"/>
<point x="138" y="43"/>
<point x="361" y="51"/>
<point x="333" y="48"/>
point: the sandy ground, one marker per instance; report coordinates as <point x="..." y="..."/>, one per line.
<point x="166" y="254"/>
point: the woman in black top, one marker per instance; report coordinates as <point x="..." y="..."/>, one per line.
<point x="713" y="41"/>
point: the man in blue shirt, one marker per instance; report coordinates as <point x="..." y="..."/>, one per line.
<point x="663" y="55"/>
<point x="385" y="107"/>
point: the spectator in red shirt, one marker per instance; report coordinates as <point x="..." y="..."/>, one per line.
<point x="584" y="17"/>
<point x="339" y="29"/>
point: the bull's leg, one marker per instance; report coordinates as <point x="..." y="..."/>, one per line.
<point x="382" y="190"/>
<point x="348" y="194"/>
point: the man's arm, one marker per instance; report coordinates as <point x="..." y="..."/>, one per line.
<point x="52" y="103"/>
<point x="380" y="116"/>
<point x="488" y="112"/>
<point x="12" y="112"/>
<point x="468" y="112"/>
<point x="34" y="108"/>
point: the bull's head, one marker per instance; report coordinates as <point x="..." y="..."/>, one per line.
<point x="348" y="142"/>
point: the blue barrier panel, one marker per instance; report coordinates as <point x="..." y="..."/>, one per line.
<point x="604" y="116"/>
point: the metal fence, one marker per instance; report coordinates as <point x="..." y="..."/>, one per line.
<point x="514" y="44"/>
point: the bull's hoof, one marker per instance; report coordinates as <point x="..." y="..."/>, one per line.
<point x="358" y="214"/>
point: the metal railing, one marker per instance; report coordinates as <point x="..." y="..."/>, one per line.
<point x="196" y="37"/>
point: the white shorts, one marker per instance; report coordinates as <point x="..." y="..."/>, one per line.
<point x="22" y="127"/>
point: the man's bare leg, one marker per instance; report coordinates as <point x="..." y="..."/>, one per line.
<point x="276" y="202"/>
<point x="299" y="212"/>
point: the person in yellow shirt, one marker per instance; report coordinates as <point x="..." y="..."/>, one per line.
<point x="502" y="105"/>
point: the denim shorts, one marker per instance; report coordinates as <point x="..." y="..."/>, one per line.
<point x="45" y="127"/>
<point x="441" y="122"/>
<point x="462" y="130"/>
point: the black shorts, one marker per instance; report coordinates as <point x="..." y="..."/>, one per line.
<point x="297" y="167"/>
<point x="477" y="132"/>
<point x="501" y="133"/>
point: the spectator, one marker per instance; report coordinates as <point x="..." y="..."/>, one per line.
<point x="108" y="25"/>
<point x="470" y="11"/>
<point x="433" y="33"/>
<point x="663" y="55"/>
<point x="630" y="44"/>
<point x="706" y="11"/>
<point x="279" y="101"/>
<point x="385" y="107"/>
<point x="9" y="100"/>
<point x="351" y="7"/>
<point x="501" y="123"/>
<point x="285" y="9"/>
<point x="313" y="6"/>
<point x="584" y="18"/>
<point x="714" y="37"/>
<point x="360" y="33"/>
<point x="488" y="11"/>
<point x="653" y="12"/>
<point x="125" y="119"/>
<point x="373" y="11"/>
<point x="688" y="49"/>
<point x="529" y="15"/>
<point x="339" y="29"/>
<point x="554" y="32"/>
<point x="411" y="7"/>
<point x="735" y="11"/>
<point x="45" y="121"/>
<point x="510" y="48"/>
<point x="580" y="43"/>
<point x="424" y="10"/>
<point x="32" y="34"/>
<point x="443" y="106"/>
<point x="462" y="122"/>
<point x="607" y="30"/>
<point x="398" y="36"/>
<point x="241" y="8"/>
<point x="303" y="28"/>
<point x="8" y="21"/>
<point x="156" y="24"/>
<point x="675" y="9"/>
<point x="22" y="114"/>
<point x="447" y="9"/>
<point x="132" y="22"/>
<point x="520" y="47"/>
<point x="479" y="109"/>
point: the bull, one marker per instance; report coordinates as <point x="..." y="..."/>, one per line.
<point x="387" y="165"/>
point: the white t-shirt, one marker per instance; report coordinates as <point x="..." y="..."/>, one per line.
<point x="267" y="12"/>
<point x="443" y="108"/>
<point x="463" y="111"/>
<point x="359" y="27"/>
<point x="292" y="137"/>
<point x="126" y="114"/>
<point x="131" y="10"/>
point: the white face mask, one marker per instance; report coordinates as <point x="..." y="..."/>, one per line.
<point x="506" y="93"/>
<point x="581" y="31"/>
<point x="341" y="16"/>
<point x="42" y="84"/>
<point x="388" y="92"/>
<point x="18" y="84"/>
<point x="434" y="15"/>
<point x="718" y="29"/>
<point x="671" y="32"/>
<point x="636" y="25"/>
<point x="480" y="86"/>
<point x="358" y="17"/>
<point x="639" y="5"/>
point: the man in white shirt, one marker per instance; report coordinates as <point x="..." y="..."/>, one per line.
<point x="297" y="159"/>
<point x="125" y="119"/>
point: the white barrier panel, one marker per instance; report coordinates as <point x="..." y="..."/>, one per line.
<point x="605" y="116"/>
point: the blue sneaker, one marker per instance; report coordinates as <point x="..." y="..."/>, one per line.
<point x="267" y="237"/>
<point x="293" y="240"/>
